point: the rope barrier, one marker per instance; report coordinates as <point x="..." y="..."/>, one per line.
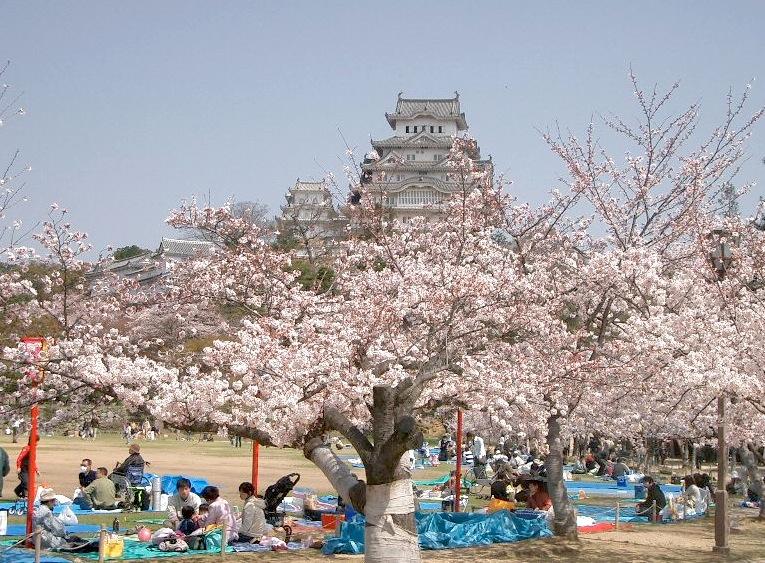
<point x="21" y="542"/>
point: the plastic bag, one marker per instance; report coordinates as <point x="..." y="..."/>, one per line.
<point x="175" y="544"/>
<point x="213" y="539"/>
<point x="161" y="535"/>
<point x="68" y="517"/>
<point x="114" y="546"/>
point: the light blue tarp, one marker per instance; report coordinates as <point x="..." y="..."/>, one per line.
<point x="169" y="483"/>
<point x="449" y="530"/>
<point x="21" y="529"/>
<point x="27" y="556"/>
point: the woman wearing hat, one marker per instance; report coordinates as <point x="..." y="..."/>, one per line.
<point x="52" y="530"/>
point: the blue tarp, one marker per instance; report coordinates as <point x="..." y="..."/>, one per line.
<point x="27" y="556"/>
<point x="169" y="483"/>
<point x="21" y="529"/>
<point x="448" y="530"/>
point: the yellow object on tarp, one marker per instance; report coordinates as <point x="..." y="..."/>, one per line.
<point x="114" y="546"/>
<point x="496" y="505"/>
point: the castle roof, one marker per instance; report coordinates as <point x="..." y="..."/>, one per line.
<point x="308" y="185"/>
<point x="440" y="108"/>
<point x="180" y="247"/>
<point x="422" y="140"/>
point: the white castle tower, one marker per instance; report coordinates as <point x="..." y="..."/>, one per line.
<point x="409" y="171"/>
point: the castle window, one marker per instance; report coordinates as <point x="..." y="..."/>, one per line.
<point x="407" y="129"/>
<point x="432" y="129"/>
<point x="440" y="129"/>
<point x="410" y="157"/>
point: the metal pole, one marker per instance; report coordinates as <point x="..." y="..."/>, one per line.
<point x="255" y="464"/>
<point x="458" y="472"/>
<point x="722" y="517"/>
<point x="616" y="524"/>
<point x="32" y="471"/>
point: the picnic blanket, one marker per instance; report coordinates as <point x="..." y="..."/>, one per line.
<point x="447" y="530"/>
<point x="21" y="529"/>
<point x="138" y="550"/>
<point x="18" y="555"/>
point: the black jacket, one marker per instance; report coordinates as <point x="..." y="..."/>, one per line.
<point x="132" y="459"/>
<point x="656" y="494"/>
<point x="87" y="478"/>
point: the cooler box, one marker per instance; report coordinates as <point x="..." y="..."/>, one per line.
<point x="621" y="481"/>
<point x="640" y="491"/>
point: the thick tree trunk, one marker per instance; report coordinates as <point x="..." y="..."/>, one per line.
<point x="564" y="521"/>
<point x="386" y="500"/>
<point x="694" y="457"/>
<point x="754" y="477"/>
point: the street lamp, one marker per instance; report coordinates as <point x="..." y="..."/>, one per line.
<point x="721" y="256"/>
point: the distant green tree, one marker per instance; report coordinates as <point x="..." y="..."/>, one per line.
<point x="728" y="200"/>
<point x="128" y="252"/>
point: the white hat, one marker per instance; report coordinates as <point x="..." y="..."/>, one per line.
<point x="48" y="495"/>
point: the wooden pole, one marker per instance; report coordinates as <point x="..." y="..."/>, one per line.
<point x="223" y="540"/>
<point x="653" y="511"/>
<point x="255" y="464"/>
<point x="458" y="472"/>
<point x="38" y="544"/>
<point x="101" y="544"/>
<point x="722" y="518"/>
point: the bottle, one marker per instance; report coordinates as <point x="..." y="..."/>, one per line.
<point x="116" y="525"/>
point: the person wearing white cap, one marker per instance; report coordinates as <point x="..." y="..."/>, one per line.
<point x="53" y="532"/>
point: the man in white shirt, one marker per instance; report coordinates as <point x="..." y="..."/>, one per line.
<point x="184" y="497"/>
<point x="477" y="447"/>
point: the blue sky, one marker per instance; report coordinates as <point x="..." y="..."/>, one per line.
<point x="133" y="106"/>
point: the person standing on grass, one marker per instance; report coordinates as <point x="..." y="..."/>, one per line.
<point x="5" y="468"/>
<point x="22" y="468"/>
<point x="478" y="449"/>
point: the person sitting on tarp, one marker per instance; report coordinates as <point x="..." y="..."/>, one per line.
<point x="653" y="493"/>
<point x="86" y="475"/>
<point x="218" y="513"/>
<point x="503" y="496"/>
<point x="181" y="499"/>
<point x="52" y="530"/>
<point x="580" y="467"/>
<point x="539" y="498"/>
<point x="621" y="469"/>
<point x="101" y="494"/>
<point x="537" y="468"/>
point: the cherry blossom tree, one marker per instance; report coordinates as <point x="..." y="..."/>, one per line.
<point x="410" y="309"/>
<point x="655" y="209"/>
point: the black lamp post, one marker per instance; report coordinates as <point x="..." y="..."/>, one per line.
<point x="721" y="256"/>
